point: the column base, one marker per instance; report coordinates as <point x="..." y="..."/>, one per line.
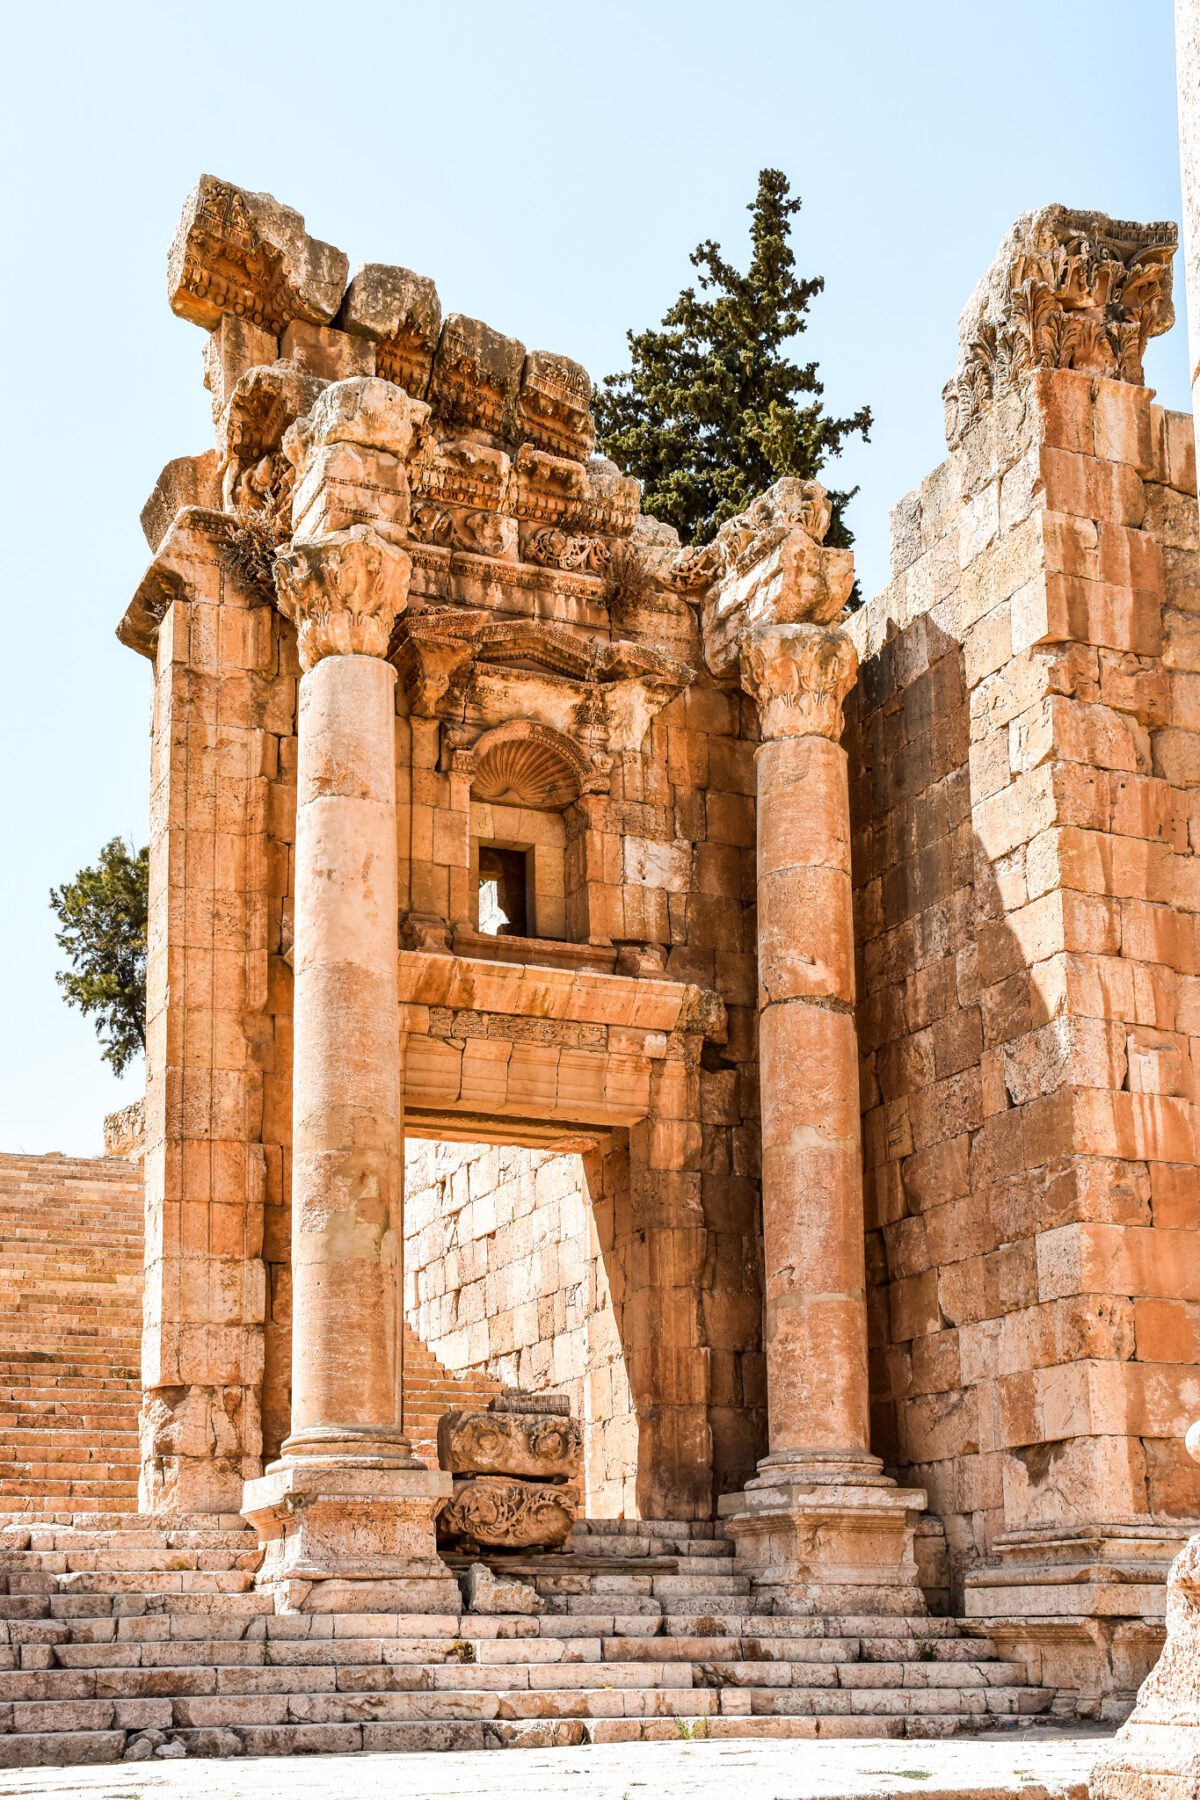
<point x="351" y="1537"/>
<point x="827" y="1533"/>
<point x="1082" y="1606"/>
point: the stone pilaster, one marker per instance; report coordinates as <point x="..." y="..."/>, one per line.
<point x="348" y="1508"/>
<point x="820" y="1525"/>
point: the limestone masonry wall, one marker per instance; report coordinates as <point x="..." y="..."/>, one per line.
<point x="505" y="1273"/>
<point x="1025" y="757"/>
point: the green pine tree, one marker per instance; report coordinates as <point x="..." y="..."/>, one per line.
<point x="712" y="411"/>
<point x="102" y="914"/>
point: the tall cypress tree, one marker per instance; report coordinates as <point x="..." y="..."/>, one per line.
<point x="711" y="410"/>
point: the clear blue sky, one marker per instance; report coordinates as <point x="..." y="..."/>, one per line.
<point x="550" y="166"/>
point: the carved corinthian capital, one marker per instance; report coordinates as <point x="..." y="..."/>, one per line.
<point x="343" y="593"/>
<point x="1066" y="290"/>
<point x="798" y="676"/>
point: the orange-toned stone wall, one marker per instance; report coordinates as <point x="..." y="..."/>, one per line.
<point x="1025" y="765"/>
<point x="677" y="836"/>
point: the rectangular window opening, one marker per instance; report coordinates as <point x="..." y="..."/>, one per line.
<point x="503" y="900"/>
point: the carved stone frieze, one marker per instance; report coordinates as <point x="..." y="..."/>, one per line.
<point x="468" y="528"/>
<point x="798" y="676"/>
<point x="543" y="1445"/>
<point x="343" y="593"/>
<point x="402" y="313"/>
<point x="550" y="548"/>
<point x="1066" y="290"/>
<point x="554" y="405"/>
<point x="496" y="1509"/>
<point x="246" y="254"/>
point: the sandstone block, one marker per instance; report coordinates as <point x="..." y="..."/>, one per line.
<point x="484" y="1592"/>
<point x="495" y="1509"/>
<point x="246" y="254"/>
<point x="542" y="1445"/>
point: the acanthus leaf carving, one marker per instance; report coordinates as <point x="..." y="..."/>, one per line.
<point x="501" y="1510"/>
<point x="798" y="676"/>
<point x="1067" y="290"/>
<point x="343" y="592"/>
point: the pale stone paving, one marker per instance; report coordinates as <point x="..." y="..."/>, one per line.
<point x="1047" y="1766"/>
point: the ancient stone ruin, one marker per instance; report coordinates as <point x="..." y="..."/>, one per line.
<point x="670" y="1162"/>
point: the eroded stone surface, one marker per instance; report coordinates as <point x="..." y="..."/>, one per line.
<point x="509" y="1443"/>
<point x="500" y="1510"/>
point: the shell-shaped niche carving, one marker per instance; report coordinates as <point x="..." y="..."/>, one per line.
<point x="525" y="772"/>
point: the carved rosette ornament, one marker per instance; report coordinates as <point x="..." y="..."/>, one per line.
<point x="798" y="676"/>
<point x="1067" y="290"/>
<point x="343" y="593"/>
<point x="543" y="1445"/>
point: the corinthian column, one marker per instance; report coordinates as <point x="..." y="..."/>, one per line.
<point x="820" y="1526"/>
<point x="347" y="1501"/>
<point x="815" y="1330"/>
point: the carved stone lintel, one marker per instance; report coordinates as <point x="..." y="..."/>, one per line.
<point x="494" y="1509"/>
<point x="343" y="593"/>
<point x="246" y="254"/>
<point x="1066" y="290"/>
<point x="543" y="1445"/>
<point x="798" y="676"/>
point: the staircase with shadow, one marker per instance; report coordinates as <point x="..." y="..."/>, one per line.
<point x="120" y="1638"/>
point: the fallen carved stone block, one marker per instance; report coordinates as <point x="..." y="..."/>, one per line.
<point x="484" y="1592"/>
<point x="542" y="1445"/>
<point x="495" y="1509"/>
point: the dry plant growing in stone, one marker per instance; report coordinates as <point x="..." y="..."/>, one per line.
<point x="254" y="538"/>
<point x="628" y="579"/>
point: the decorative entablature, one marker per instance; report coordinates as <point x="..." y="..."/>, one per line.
<point x="477" y="672"/>
<point x="384" y="428"/>
<point x="502" y="482"/>
<point x="1066" y="290"/>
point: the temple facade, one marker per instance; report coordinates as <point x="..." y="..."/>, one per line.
<point x="485" y="813"/>
<point x="750" y="1037"/>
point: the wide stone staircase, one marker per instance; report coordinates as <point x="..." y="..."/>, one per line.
<point x="122" y="1638"/>
<point x="125" y="1636"/>
<point x="71" y="1235"/>
<point x="70" y="1333"/>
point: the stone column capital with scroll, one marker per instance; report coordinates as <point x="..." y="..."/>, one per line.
<point x="798" y="677"/>
<point x="343" y="593"/>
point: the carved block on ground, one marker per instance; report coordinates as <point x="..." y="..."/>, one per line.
<point x="495" y="1509"/>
